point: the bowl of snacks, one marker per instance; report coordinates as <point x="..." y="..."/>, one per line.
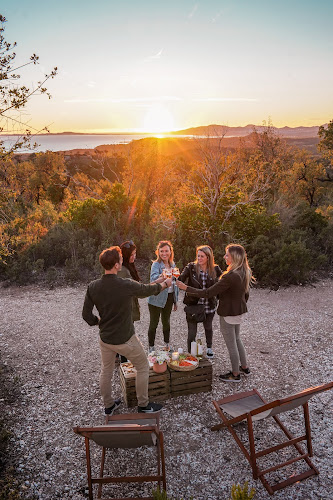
<point x="185" y="362"/>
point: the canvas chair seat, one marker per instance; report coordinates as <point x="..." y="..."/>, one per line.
<point x="135" y="435"/>
<point x="125" y="431"/>
<point x="246" y="404"/>
<point x="250" y="406"/>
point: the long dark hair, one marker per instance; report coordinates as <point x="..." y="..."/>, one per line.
<point x="127" y="249"/>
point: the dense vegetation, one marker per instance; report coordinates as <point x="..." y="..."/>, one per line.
<point x="57" y="211"/>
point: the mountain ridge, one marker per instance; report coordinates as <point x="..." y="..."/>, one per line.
<point x="214" y="129"/>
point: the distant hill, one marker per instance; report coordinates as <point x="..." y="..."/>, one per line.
<point x="189" y="149"/>
<point x="216" y="130"/>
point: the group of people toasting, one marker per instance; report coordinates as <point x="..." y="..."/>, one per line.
<point x="207" y="290"/>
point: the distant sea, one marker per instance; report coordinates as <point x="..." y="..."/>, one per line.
<point x="63" y="142"/>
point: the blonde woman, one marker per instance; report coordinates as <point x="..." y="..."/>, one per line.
<point x="160" y="306"/>
<point x="201" y="274"/>
<point x="233" y="291"/>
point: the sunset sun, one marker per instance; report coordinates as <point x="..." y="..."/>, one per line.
<point x="158" y="119"/>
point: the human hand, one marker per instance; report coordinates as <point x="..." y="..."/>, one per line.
<point x="175" y="307"/>
<point x="181" y="285"/>
<point x="168" y="281"/>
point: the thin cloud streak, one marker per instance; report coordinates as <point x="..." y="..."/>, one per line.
<point x="154" y="57"/>
<point x="225" y="99"/>
<point x="218" y="15"/>
<point x="131" y="99"/>
<point x="193" y="11"/>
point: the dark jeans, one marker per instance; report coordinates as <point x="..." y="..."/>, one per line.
<point x="155" y="314"/>
<point x="192" y="331"/>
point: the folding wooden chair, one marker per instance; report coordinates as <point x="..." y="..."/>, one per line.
<point x="250" y="406"/>
<point x="125" y="431"/>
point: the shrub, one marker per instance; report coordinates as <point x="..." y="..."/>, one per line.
<point x="242" y="493"/>
<point x="283" y="260"/>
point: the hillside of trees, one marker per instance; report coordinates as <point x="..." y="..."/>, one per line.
<point x="58" y="210"/>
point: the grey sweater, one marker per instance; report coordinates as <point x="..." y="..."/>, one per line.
<point x="112" y="297"/>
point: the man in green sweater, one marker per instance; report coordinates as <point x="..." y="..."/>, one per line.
<point x="112" y="297"/>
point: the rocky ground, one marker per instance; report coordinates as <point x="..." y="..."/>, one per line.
<point x="53" y="356"/>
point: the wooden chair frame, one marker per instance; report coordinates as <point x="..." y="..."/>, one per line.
<point x="271" y="409"/>
<point x="87" y="433"/>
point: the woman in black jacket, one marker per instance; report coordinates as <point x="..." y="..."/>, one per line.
<point x="233" y="291"/>
<point x="201" y="274"/>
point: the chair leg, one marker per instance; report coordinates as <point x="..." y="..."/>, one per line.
<point x="253" y="460"/>
<point x="99" y="494"/>
<point x="88" y="468"/>
<point x="307" y="428"/>
<point x="163" y="461"/>
<point x="297" y="446"/>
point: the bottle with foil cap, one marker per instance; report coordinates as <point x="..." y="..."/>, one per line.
<point x="199" y="347"/>
<point x="194" y="348"/>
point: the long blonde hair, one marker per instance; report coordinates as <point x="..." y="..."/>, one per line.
<point x="162" y="244"/>
<point x="239" y="263"/>
<point x="210" y="260"/>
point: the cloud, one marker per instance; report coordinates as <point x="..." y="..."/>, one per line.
<point x="225" y="99"/>
<point x="91" y="84"/>
<point x="164" y="98"/>
<point x="155" y="57"/>
<point x="217" y="16"/>
<point x="193" y="11"/>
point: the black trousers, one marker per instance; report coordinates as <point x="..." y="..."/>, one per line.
<point x="155" y="314"/>
<point x="193" y="327"/>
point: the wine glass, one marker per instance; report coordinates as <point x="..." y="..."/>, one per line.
<point x="168" y="273"/>
<point x="176" y="272"/>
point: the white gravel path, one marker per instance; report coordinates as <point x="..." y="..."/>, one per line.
<point x="46" y="344"/>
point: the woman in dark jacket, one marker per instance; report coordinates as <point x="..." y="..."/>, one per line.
<point x="128" y="270"/>
<point x="201" y="274"/>
<point x="233" y="291"/>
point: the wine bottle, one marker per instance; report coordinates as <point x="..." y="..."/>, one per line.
<point x="199" y="347"/>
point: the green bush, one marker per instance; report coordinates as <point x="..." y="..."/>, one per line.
<point x="283" y="260"/>
<point x="242" y="493"/>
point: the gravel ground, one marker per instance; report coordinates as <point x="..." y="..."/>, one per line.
<point x="54" y="354"/>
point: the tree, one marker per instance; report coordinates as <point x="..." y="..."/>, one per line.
<point x="13" y="96"/>
<point x="325" y="146"/>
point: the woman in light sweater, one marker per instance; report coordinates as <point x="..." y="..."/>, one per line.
<point x="233" y="291"/>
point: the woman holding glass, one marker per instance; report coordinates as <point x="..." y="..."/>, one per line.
<point x="201" y="274"/>
<point x="128" y="270"/>
<point x="160" y="306"/>
<point x="233" y="291"/>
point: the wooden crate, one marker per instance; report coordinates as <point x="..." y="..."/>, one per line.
<point x="194" y="381"/>
<point x="158" y="388"/>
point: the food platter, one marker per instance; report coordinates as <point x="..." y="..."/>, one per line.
<point x="184" y="363"/>
<point x="128" y="369"/>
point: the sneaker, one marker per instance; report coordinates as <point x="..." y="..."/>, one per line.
<point x="150" y="408"/>
<point x="209" y="352"/>
<point x="246" y="371"/>
<point x="151" y="349"/>
<point x="116" y="404"/>
<point x="230" y="377"/>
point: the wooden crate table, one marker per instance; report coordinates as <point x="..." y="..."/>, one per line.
<point x="169" y="384"/>
<point x="193" y="381"/>
<point x="158" y="386"/>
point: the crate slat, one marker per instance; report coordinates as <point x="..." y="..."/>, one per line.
<point x="172" y="383"/>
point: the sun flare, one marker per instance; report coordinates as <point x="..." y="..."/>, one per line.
<point x="158" y="119"/>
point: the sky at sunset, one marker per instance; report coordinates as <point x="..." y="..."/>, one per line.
<point x="157" y="65"/>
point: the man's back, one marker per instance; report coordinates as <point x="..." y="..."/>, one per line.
<point x="112" y="297"/>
